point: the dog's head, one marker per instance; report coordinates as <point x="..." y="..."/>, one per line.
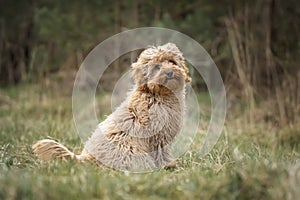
<point x="161" y="69"/>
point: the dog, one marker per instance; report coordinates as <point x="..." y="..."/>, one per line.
<point x="138" y="135"/>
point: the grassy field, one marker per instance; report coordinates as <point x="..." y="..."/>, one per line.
<point x="260" y="162"/>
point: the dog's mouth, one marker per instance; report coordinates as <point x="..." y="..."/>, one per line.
<point x="172" y="83"/>
<point x="169" y="80"/>
<point x="176" y="78"/>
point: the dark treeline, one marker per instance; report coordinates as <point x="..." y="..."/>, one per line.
<point x="254" y="43"/>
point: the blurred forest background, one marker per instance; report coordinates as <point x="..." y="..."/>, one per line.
<point x="254" y="43"/>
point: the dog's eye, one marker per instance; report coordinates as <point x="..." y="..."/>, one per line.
<point x="173" y="62"/>
<point x="157" y="66"/>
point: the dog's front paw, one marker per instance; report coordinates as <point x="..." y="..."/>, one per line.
<point x="171" y="165"/>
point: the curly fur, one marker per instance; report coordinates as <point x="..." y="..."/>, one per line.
<point x="138" y="135"/>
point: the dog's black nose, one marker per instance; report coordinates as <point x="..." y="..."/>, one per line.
<point x="169" y="73"/>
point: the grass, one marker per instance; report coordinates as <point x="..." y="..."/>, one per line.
<point x="246" y="163"/>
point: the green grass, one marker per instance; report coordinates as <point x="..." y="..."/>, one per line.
<point x="246" y="163"/>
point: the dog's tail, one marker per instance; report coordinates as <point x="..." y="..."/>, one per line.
<point x="50" y="149"/>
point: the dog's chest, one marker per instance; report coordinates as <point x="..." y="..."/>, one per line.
<point x="165" y="116"/>
<point x="144" y="120"/>
<point x="160" y="118"/>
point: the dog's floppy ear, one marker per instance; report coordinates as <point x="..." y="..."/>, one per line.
<point x="188" y="79"/>
<point x="140" y="72"/>
<point x="187" y="72"/>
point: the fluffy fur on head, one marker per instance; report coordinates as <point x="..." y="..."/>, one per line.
<point x="139" y="134"/>
<point x="167" y="56"/>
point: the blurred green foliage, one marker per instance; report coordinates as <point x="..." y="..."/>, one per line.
<point x="41" y="37"/>
<point x="61" y="28"/>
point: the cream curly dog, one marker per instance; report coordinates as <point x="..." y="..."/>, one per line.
<point x="139" y="134"/>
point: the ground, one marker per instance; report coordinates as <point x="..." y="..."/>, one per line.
<point x="248" y="162"/>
